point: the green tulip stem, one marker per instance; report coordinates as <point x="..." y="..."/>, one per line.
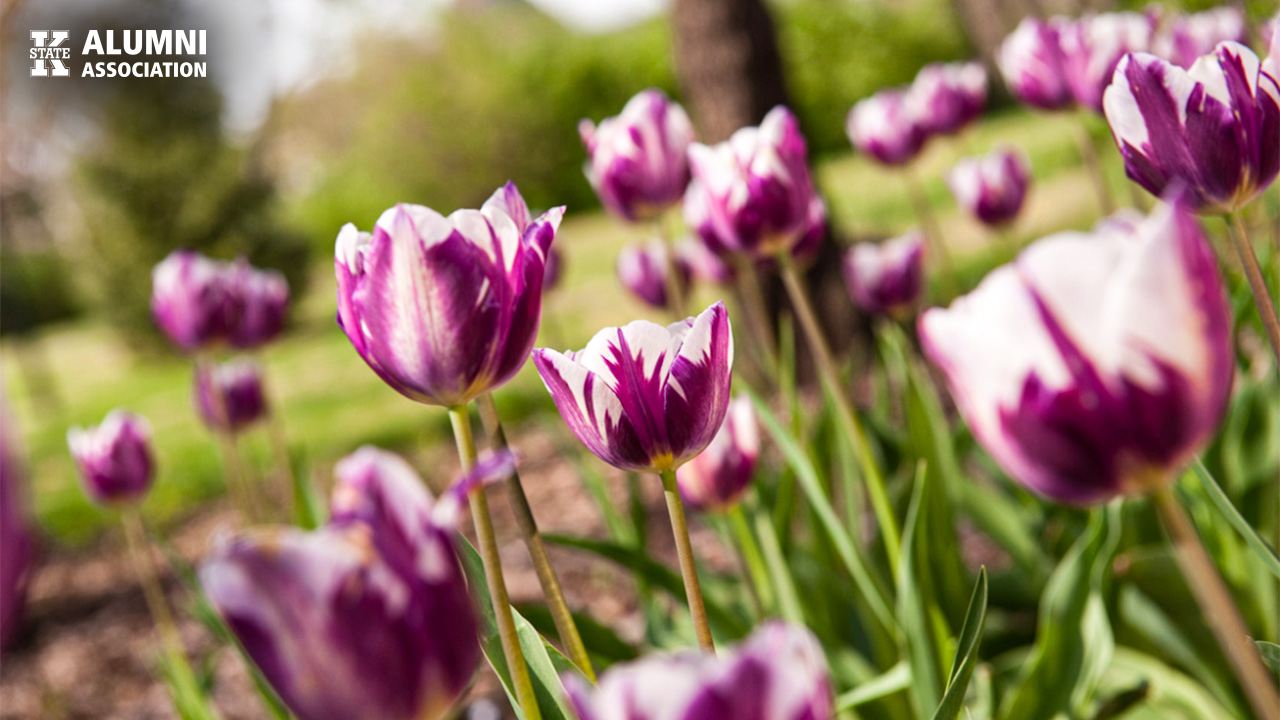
<point x="757" y="312"/>
<point x="752" y="558"/>
<point x="488" y="542"/>
<point x="932" y="228"/>
<point x="675" y="291"/>
<point x="279" y="443"/>
<point x="1217" y="606"/>
<point x="1089" y="154"/>
<point x="528" y="525"/>
<point x="848" y="420"/>
<point x="1257" y="285"/>
<point x="135" y="537"/>
<point x="688" y="569"/>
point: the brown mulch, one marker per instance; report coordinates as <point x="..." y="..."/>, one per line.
<point x="86" y="646"/>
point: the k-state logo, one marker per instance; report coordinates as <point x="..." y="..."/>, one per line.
<point x="48" y="53"/>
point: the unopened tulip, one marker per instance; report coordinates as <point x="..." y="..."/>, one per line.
<point x="993" y="187"/>
<point x="553" y="269"/>
<point x="886" y="278"/>
<point x="638" y="162"/>
<point x="645" y="397"/>
<point x="1033" y="66"/>
<point x="778" y="673"/>
<point x="191" y="301"/>
<point x="229" y="396"/>
<point x="1186" y="37"/>
<point x="644" y="269"/>
<point x="367" y="617"/>
<point x="886" y="126"/>
<point x="114" y="458"/>
<point x="1092" y="47"/>
<point x="1214" y="128"/>
<point x="1095" y="365"/>
<point x="261" y="299"/>
<point x="753" y="193"/>
<point x="445" y="309"/>
<point x="17" y="543"/>
<point x="697" y="215"/>
<point x="949" y="96"/>
<point x="716" y="479"/>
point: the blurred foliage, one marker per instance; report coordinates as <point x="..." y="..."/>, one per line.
<point x="406" y="124"/>
<point x="34" y="291"/>
<point x="163" y="176"/>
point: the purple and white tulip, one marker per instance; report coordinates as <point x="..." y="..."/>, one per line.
<point x="1093" y="45"/>
<point x="191" y="301"/>
<point x="643" y="268"/>
<point x="886" y="278"/>
<point x="366" y="617"/>
<point x="17" y="542"/>
<point x="1186" y="37"/>
<point x="704" y="264"/>
<point x="1094" y="365"/>
<point x="716" y="479"/>
<point x="753" y="193"/>
<point x="1033" y="66"/>
<point x="992" y="187"/>
<point x="638" y="162"/>
<point x="261" y="299"/>
<point x="645" y="397"/>
<point x="887" y="127"/>
<point x="778" y="673"/>
<point x="229" y="396"/>
<point x="114" y="458"/>
<point x="553" y="269"/>
<point x="1214" y="128"/>
<point x="949" y="96"/>
<point x="445" y="309"/>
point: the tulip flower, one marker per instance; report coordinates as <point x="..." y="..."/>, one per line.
<point x="228" y="397"/>
<point x="778" y="673"/>
<point x="697" y="215"/>
<point x="753" y="194"/>
<point x="887" y="126"/>
<point x="444" y="309"/>
<point x="638" y="165"/>
<point x="1033" y="66"/>
<point x="886" y="278"/>
<point x="704" y="264"/>
<point x="644" y="397"/>
<point x="553" y="269"/>
<point x="948" y="96"/>
<point x="114" y="458"/>
<point x="1214" y="128"/>
<point x="17" y="543"/>
<point x="261" y="298"/>
<point x="1093" y="45"/>
<point x="643" y="268"/>
<point x="1095" y="365"/>
<point x="366" y="617"/>
<point x="190" y="300"/>
<point x="716" y="479"/>
<point x="992" y="188"/>
<point x="1186" y="37"/>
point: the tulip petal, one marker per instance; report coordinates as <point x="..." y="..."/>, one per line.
<point x="591" y="410"/>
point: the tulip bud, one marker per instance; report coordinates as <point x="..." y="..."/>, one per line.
<point x="17" y="543"/>
<point x="1092" y="47"/>
<point x="638" y="165"/>
<point x="645" y="397"/>
<point x="190" y="300"/>
<point x="752" y="193"/>
<point x="643" y="268"/>
<point x="367" y="617"/>
<point x="1214" y="128"/>
<point x="114" y="458"/>
<point x="992" y="188"/>
<point x="946" y="97"/>
<point x="1187" y="37"/>
<point x="886" y="278"/>
<point x="1094" y="365"/>
<point x="720" y="475"/>
<point x="778" y="673"/>
<point x="553" y="269"/>
<point x="1033" y="65"/>
<point x="886" y="127"/>
<point x="445" y="309"/>
<point x="228" y="397"/>
<point x="262" y="300"/>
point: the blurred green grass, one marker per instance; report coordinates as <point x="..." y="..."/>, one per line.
<point x="331" y="403"/>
